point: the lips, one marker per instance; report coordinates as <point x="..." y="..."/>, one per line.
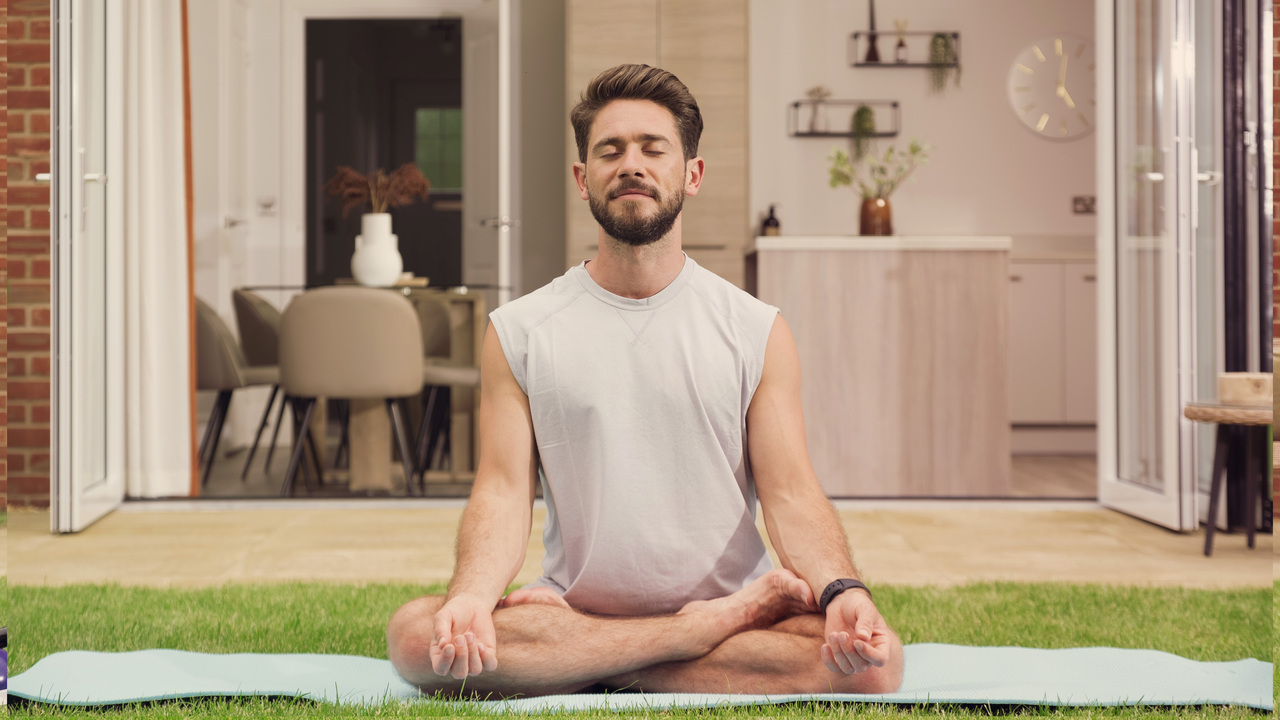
<point x="632" y="192"/>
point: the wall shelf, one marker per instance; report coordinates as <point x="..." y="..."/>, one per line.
<point x="835" y="118"/>
<point x="886" y="43"/>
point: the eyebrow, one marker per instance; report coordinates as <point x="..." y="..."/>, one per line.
<point x="617" y="141"/>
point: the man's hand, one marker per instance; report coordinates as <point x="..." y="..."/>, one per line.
<point x="858" y="639"/>
<point x="463" y="641"/>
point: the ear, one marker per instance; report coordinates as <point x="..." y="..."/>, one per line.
<point x="580" y="177"/>
<point x="693" y="172"/>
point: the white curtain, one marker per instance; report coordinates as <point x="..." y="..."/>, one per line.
<point x="157" y="349"/>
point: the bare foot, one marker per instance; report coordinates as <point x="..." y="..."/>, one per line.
<point x="775" y="596"/>
<point x="534" y="596"/>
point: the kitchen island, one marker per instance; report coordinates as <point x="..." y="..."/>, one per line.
<point x="904" y="350"/>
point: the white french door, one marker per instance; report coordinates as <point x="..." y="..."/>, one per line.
<point x="87" y="438"/>
<point x="1147" y="192"/>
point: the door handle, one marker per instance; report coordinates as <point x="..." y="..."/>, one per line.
<point x="1212" y="177"/>
<point x="498" y="222"/>
<point x="95" y="178"/>
<point x="44" y="177"/>
<point x="1152" y="177"/>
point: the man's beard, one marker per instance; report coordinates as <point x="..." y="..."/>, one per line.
<point x="628" y="225"/>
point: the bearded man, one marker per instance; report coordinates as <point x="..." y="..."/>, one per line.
<point x="658" y="402"/>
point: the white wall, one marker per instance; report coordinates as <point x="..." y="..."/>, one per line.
<point x="987" y="174"/>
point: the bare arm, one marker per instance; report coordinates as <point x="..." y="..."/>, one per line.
<point x="494" y="533"/>
<point x="802" y="523"/>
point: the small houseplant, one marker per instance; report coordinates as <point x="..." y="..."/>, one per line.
<point x="376" y="261"/>
<point x="863" y="128"/>
<point x="943" y="61"/>
<point x="874" y="177"/>
<point x="818" y="120"/>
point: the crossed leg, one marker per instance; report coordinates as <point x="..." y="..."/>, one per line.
<point x="760" y="639"/>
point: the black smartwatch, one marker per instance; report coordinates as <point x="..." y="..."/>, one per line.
<point x="837" y="587"/>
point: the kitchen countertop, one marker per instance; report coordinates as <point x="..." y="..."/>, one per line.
<point x="879" y="243"/>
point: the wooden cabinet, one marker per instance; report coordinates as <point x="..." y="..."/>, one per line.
<point x="1052" y="343"/>
<point x="903" y="359"/>
<point x="704" y="43"/>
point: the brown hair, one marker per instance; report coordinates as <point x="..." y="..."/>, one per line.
<point x="638" y="82"/>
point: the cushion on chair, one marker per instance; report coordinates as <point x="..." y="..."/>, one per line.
<point x="434" y="373"/>
<point x="261" y="375"/>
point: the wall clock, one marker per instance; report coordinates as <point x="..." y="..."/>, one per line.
<point x="1052" y="89"/>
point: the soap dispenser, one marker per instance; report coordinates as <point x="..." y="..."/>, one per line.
<point x="771" y="226"/>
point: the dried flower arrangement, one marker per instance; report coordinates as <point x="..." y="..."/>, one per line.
<point x="403" y="186"/>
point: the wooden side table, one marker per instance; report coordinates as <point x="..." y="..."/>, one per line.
<point x="1225" y="416"/>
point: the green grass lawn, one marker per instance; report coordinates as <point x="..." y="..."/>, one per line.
<point x="349" y="619"/>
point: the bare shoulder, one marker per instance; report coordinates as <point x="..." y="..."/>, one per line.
<point x="781" y="358"/>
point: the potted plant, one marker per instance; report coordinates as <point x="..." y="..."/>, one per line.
<point x="875" y="177"/>
<point x="863" y="129"/>
<point x="818" y="120"/>
<point x="943" y="61"/>
<point x="376" y="261"/>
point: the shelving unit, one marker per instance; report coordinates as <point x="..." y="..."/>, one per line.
<point x="886" y="43"/>
<point x="839" y="114"/>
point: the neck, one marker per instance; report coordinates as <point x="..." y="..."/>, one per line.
<point x="637" y="272"/>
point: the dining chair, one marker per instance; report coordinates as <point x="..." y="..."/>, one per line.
<point x="259" y="325"/>
<point x="221" y="366"/>
<point x="350" y="343"/>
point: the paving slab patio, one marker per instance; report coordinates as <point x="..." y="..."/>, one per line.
<point x="203" y="543"/>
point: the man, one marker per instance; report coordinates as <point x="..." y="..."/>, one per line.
<point x="658" y="400"/>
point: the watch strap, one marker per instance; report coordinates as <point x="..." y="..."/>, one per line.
<point x="838" y="586"/>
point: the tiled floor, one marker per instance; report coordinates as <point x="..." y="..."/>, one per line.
<point x="901" y="542"/>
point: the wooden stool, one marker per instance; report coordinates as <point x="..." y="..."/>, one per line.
<point x="1225" y="415"/>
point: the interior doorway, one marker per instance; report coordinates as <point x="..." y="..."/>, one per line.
<point x="382" y="93"/>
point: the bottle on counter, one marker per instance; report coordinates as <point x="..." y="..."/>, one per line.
<point x="771" y="226"/>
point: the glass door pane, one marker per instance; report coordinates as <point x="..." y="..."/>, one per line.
<point x="88" y="239"/>
<point x="1208" y="251"/>
<point x="1143" y="235"/>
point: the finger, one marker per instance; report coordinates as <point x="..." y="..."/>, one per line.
<point x="855" y="660"/>
<point x="489" y="656"/>
<point x="474" y="665"/>
<point x="829" y="660"/>
<point x="838" y="654"/>
<point x="459" y="669"/>
<point x="442" y="629"/>
<point x="442" y="658"/>
<point x="863" y="627"/>
<point x="875" y="654"/>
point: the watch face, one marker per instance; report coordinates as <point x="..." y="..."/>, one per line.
<point x="1052" y="88"/>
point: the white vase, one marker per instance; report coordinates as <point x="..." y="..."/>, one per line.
<point x="376" y="261"/>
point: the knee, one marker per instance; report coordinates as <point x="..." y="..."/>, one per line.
<point x="409" y="639"/>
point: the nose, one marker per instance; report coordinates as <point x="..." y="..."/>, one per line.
<point x="631" y="165"/>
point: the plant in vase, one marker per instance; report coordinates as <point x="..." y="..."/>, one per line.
<point x="376" y="261"/>
<point x="875" y="177"/>
<point x="943" y="61"/>
<point x="818" y="120"/>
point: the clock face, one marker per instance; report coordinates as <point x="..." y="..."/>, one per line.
<point x="1052" y="88"/>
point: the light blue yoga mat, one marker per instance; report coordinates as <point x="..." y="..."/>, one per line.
<point x="934" y="674"/>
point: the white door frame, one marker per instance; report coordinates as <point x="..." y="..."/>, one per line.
<point x="294" y="16"/>
<point x="80" y="494"/>
<point x="1175" y="507"/>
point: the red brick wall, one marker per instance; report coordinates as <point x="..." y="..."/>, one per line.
<point x="27" y="214"/>
<point x="1275" y="214"/>
<point x="4" y="254"/>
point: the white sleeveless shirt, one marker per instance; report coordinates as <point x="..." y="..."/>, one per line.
<point x="640" y="417"/>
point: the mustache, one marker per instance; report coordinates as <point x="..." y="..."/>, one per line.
<point x="629" y="185"/>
